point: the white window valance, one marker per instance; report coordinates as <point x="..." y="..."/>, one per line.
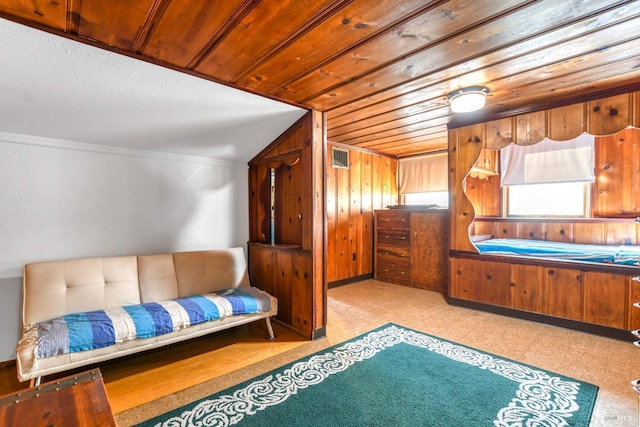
<point x="423" y="174"/>
<point x="548" y="162"/>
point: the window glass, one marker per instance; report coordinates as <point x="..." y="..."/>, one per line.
<point x="556" y="199"/>
<point x="440" y="198"/>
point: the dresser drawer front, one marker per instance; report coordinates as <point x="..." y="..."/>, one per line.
<point x="394" y="253"/>
<point x="397" y="220"/>
<point x="393" y="237"/>
<point x="393" y="272"/>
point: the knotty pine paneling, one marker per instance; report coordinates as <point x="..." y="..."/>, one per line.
<point x="617" y="167"/>
<point x="484" y="195"/>
<point x="186" y="48"/>
<point x="352" y="195"/>
<point x="294" y="264"/>
<point x="615" y="195"/>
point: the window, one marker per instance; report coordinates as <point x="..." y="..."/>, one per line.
<point x="440" y="198"/>
<point x="555" y="199"/>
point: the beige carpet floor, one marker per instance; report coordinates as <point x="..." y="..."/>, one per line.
<point x="357" y="308"/>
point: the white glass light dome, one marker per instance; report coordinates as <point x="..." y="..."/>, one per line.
<point x="468" y="99"/>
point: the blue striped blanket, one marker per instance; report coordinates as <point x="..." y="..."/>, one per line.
<point x="614" y="254"/>
<point x="102" y="328"/>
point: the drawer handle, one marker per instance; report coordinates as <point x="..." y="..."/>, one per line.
<point x="636" y="279"/>
<point x="402" y="238"/>
<point x="401" y="273"/>
<point x="636" y="304"/>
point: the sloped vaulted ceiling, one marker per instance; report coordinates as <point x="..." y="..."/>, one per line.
<point x="381" y="70"/>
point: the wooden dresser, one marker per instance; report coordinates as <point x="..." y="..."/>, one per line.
<point x="411" y="247"/>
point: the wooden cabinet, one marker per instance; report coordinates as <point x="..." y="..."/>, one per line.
<point x="476" y="280"/>
<point x="393" y="247"/>
<point x="286" y="225"/>
<point x="563" y="293"/>
<point x="605" y="297"/>
<point x="527" y="287"/>
<point x="593" y="297"/>
<point x="429" y="247"/>
<point x="285" y="273"/>
<point x="411" y="247"/>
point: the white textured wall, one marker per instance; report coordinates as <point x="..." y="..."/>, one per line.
<point x="61" y="199"/>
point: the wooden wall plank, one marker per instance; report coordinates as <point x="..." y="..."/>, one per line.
<point x="609" y="115"/>
<point x="355" y="211"/>
<point x="352" y="196"/>
<point x="567" y="122"/>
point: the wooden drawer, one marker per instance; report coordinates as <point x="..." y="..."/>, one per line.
<point x="394" y="272"/>
<point x="392" y="253"/>
<point x="394" y="220"/>
<point x="393" y="238"/>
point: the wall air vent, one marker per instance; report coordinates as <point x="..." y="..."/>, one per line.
<point x="339" y="158"/>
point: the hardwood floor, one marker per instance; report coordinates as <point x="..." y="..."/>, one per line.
<point x="145" y="385"/>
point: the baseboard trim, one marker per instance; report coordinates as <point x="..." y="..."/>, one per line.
<point x="349" y="280"/>
<point x="8" y="363"/>
<point x="319" y="333"/>
<point x="604" y="331"/>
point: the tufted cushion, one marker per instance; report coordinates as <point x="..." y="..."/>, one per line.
<point x="203" y="272"/>
<point x="157" y="278"/>
<point x="55" y="288"/>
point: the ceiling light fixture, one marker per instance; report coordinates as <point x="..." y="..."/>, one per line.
<point x="468" y="99"/>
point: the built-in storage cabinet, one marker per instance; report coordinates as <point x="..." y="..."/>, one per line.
<point x="286" y="216"/>
<point x="285" y="272"/>
<point x="595" y="297"/>
<point x="475" y="280"/>
<point x="606" y="299"/>
<point x="564" y="292"/>
<point x="393" y="246"/>
<point x="429" y="243"/>
<point x="411" y="248"/>
<point x="527" y="287"/>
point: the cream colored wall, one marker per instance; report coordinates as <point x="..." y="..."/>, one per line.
<point x="63" y="199"/>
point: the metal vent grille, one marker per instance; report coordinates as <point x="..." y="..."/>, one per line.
<point x="339" y="158"/>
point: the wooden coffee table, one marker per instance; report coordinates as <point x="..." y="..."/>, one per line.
<point x="77" y="400"/>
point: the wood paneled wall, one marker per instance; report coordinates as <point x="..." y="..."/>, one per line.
<point x="615" y="201"/>
<point x="352" y="195"/>
<point x="606" y="118"/>
<point x="291" y="269"/>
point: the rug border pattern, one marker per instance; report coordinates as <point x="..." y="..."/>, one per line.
<point x="541" y="399"/>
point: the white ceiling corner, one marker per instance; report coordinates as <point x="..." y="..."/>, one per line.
<point x="54" y="87"/>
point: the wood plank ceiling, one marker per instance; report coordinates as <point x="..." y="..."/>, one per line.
<point x="381" y="70"/>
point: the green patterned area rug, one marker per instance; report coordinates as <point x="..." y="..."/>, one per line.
<point x="395" y="376"/>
